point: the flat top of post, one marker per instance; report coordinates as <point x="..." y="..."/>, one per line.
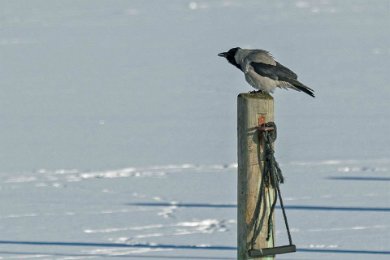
<point x="255" y="95"/>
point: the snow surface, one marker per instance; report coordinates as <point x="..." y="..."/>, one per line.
<point x="118" y="127"/>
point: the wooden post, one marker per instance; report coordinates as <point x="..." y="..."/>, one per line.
<point x="252" y="110"/>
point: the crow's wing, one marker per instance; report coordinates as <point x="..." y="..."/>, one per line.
<point x="283" y="75"/>
<point x="276" y="72"/>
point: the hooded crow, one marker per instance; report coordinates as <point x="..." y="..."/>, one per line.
<point x="263" y="72"/>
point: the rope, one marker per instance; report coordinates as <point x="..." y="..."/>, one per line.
<point x="271" y="177"/>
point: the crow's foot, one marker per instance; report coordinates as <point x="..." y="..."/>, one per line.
<point x="256" y="92"/>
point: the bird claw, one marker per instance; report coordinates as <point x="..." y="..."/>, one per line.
<point x="256" y="92"/>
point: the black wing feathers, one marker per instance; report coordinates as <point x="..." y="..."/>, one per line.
<point x="274" y="72"/>
<point x="281" y="73"/>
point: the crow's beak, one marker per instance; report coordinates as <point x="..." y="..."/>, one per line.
<point x="222" y="54"/>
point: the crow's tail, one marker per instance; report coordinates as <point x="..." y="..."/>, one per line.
<point x="301" y="87"/>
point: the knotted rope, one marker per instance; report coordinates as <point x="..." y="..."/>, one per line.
<point x="271" y="177"/>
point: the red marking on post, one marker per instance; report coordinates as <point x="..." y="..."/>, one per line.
<point x="261" y="120"/>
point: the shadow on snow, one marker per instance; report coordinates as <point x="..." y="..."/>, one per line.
<point x="169" y="246"/>
<point x="359" y="178"/>
<point x="290" y="207"/>
<point x="129" y="255"/>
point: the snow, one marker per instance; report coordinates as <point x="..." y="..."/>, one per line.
<point x="118" y="127"/>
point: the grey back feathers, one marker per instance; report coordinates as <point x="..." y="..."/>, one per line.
<point x="257" y="56"/>
<point x="263" y="72"/>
